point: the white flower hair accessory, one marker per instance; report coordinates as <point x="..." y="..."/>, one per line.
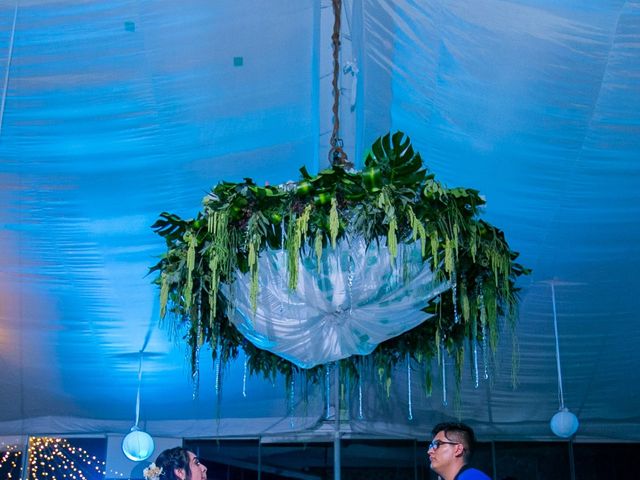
<point x="152" y="472"/>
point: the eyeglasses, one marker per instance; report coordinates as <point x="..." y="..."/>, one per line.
<point x="435" y="444"/>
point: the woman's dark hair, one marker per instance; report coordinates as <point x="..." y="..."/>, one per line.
<point x="171" y="459"/>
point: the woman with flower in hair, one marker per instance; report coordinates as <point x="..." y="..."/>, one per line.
<point x="176" y="464"/>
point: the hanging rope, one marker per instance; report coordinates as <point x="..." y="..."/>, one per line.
<point x="337" y="155"/>
<point x="555" y="331"/>
<point x="138" y="394"/>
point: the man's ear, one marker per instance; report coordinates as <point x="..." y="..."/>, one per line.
<point x="180" y="473"/>
<point x="458" y="450"/>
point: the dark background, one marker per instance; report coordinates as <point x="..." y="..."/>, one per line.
<point x="378" y="460"/>
<point x="387" y="460"/>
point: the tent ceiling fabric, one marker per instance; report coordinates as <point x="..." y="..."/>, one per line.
<point x="115" y="111"/>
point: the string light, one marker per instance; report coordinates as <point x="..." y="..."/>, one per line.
<point x="11" y="462"/>
<point x="54" y="459"/>
<point x="57" y="459"/>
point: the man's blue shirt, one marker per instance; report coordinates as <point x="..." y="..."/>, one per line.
<point x="471" y="474"/>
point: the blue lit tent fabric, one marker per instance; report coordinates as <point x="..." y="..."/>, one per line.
<point x="112" y="112"/>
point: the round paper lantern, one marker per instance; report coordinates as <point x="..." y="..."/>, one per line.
<point x="137" y="445"/>
<point x="564" y="423"/>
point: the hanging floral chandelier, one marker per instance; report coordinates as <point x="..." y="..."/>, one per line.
<point x="384" y="263"/>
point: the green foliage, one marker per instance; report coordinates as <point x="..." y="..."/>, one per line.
<point x="395" y="199"/>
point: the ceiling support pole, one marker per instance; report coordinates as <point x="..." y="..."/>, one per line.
<point x="25" y="460"/>
<point x="336" y="416"/>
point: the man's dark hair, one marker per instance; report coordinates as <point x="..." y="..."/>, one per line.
<point x="458" y="432"/>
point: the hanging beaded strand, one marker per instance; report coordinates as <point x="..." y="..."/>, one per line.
<point x="454" y="295"/>
<point x="283" y="263"/>
<point x="444" y="374"/>
<point x="217" y="367"/>
<point x="195" y="375"/>
<point x="410" y="413"/>
<point x="474" y="346"/>
<point x="244" y="376"/>
<point x="327" y="390"/>
<point x="483" y="326"/>
<point x="350" y="282"/>
<point x="292" y="396"/>
<point x="360" y="372"/>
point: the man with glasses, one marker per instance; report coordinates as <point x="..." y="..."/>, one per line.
<point x="450" y="451"/>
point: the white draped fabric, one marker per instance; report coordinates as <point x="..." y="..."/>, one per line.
<point x="357" y="298"/>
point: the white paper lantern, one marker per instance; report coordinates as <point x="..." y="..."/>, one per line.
<point x="564" y="423"/>
<point x="138" y="445"/>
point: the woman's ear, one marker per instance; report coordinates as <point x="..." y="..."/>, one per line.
<point x="180" y="473"/>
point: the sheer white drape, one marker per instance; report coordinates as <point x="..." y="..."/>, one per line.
<point x="355" y="299"/>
